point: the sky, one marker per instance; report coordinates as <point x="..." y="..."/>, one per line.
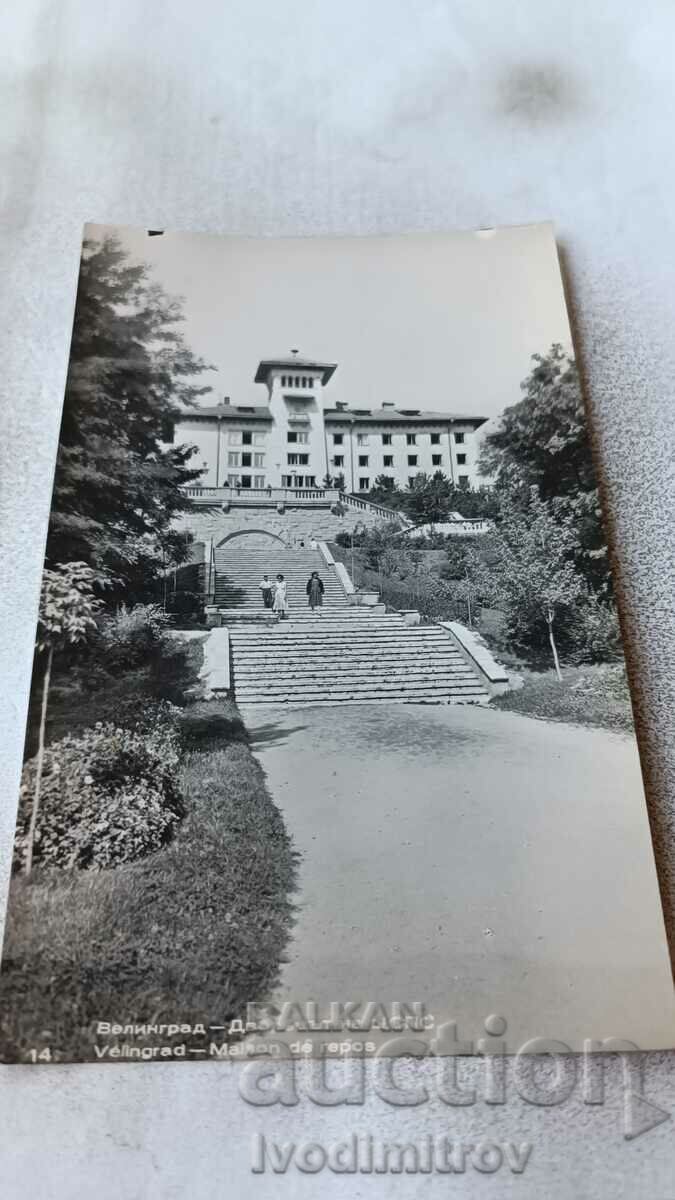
<point x="443" y="322"/>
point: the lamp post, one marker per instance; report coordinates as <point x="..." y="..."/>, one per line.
<point x="358" y="529"/>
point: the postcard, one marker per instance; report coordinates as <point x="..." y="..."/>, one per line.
<point x="330" y="748"/>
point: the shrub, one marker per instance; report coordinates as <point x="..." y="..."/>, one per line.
<point x="109" y="795"/>
<point x="130" y="635"/>
<point x="595" y="633"/>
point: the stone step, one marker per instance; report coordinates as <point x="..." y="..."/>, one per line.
<point x="419" y="694"/>
<point x="272" y="640"/>
<point x="299" y="703"/>
<point x="319" y="687"/>
<point x="327" y="682"/>
<point x="362" y="654"/>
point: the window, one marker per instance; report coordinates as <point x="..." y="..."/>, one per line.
<point x="339" y="460"/>
<point x="303" y="438"/>
<point x="310" y="480"/>
<point x="258" y="439"/>
<point x="411" y="480"/>
<point x="411" y="438"/>
<point x="258" y="460"/>
<point x="412" y="460"/>
<point x="292" y="460"/>
<point x="246" y="460"/>
<point x="233" y="480"/>
<point x="287" y="481"/>
<point x="459" y="438"/>
<point x="461" y="459"/>
<point x="388" y="460"/>
<point x="364" y="483"/>
<point x="246" y="481"/>
<point x="234" y="437"/>
<point x="259" y="481"/>
<point x="302" y="459"/>
<point x="338" y="439"/>
<point x="362" y="439"/>
<point x="435" y="439"/>
<point x="233" y="459"/>
<point x="463" y="481"/>
<point x="436" y="460"/>
<point x="291" y="437"/>
<point x="247" y="439"/>
<point x="363" y="460"/>
<point x="386" y="439"/>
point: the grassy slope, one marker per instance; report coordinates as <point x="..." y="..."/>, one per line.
<point x="589" y="695"/>
<point x="188" y="934"/>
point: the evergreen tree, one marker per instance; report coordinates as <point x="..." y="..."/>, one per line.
<point x="118" y="484"/>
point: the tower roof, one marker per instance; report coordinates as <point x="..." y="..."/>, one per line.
<point x="294" y="361"/>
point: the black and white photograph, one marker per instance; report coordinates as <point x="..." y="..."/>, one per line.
<point x="330" y="735"/>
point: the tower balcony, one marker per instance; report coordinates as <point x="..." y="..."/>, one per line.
<point x="307" y="394"/>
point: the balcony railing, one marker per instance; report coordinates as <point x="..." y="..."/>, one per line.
<point x="243" y="495"/>
<point x="240" y="496"/>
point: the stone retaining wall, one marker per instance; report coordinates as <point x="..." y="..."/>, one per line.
<point x="209" y="521"/>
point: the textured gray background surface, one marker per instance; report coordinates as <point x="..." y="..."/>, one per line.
<point x="315" y="117"/>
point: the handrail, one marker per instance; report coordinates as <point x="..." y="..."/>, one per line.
<point x="358" y="502"/>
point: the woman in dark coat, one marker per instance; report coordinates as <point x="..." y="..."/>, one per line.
<point x="314" y="591"/>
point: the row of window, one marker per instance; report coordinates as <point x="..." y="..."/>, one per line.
<point x="362" y="439"/>
<point x="235" y="459"/>
<point x="238" y="437"/>
<point x="364" y="482"/>
<point x="388" y="460"/>
<point x="304" y="381"/>
<point x="245" y="481"/>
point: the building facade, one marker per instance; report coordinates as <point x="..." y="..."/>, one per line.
<point x="298" y="440"/>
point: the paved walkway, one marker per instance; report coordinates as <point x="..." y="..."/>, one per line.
<point x="476" y="860"/>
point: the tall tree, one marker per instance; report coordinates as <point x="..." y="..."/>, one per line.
<point x="386" y="491"/>
<point x="527" y="568"/>
<point x="66" y="618"/>
<point x="543" y="441"/>
<point x="427" y="498"/>
<point x="118" y="484"/>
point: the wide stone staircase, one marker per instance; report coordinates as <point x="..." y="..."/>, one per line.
<point x="347" y="654"/>
<point x="239" y="572"/>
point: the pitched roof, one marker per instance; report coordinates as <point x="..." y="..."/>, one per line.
<point x="229" y="412"/>
<point x="398" y="416"/>
<point x="293" y="361"/>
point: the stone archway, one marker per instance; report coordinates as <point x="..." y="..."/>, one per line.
<point x="251" y="538"/>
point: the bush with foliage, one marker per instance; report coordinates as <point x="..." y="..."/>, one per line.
<point x="109" y="795"/>
<point x="595" y="634"/>
<point x="129" y="635"/>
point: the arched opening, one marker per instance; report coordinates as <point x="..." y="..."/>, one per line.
<point x="254" y="537"/>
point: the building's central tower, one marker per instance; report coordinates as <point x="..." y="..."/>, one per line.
<point x="297" y="454"/>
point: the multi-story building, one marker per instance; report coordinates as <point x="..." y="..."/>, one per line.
<point x="295" y="440"/>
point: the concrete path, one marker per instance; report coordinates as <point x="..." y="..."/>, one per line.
<point x="475" y="860"/>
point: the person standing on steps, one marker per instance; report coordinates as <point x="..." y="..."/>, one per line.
<point x="267" y="591"/>
<point x="280" y="604"/>
<point x="313" y="544"/>
<point x="314" y="591"/>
